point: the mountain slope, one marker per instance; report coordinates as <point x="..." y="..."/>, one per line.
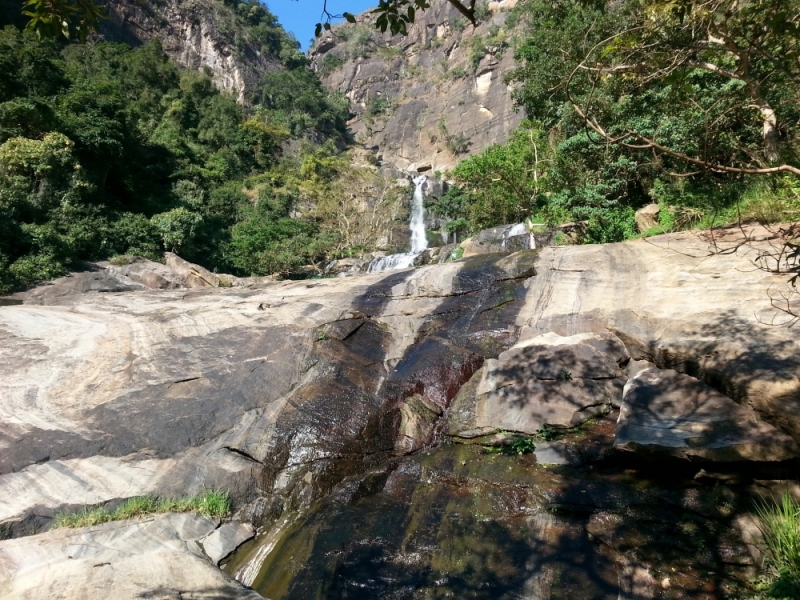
<point x="427" y="100"/>
<point x="233" y="44"/>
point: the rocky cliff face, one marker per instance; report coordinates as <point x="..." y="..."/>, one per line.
<point x="194" y="33"/>
<point x="427" y="100"/>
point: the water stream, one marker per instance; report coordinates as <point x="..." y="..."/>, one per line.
<point x="458" y="521"/>
<point x="419" y="238"/>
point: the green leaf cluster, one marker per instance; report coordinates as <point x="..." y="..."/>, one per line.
<point x="54" y="18"/>
<point x="503" y="184"/>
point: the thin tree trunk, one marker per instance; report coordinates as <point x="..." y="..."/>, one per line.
<point x="770" y="131"/>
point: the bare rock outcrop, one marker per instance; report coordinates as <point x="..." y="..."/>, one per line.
<point x="680" y="301"/>
<point x="426" y="100"/>
<point x="157" y="557"/>
<point x="279" y="392"/>
<point x="194" y="35"/>
<point x="132" y="273"/>
<point x="667" y="411"/>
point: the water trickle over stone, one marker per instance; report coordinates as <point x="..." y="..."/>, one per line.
<point x="419" y="237"/>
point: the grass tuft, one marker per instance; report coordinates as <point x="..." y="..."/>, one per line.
<point x="780" y="526"/>
<point x="120" y="260"/>
<point x="210" y="504"/>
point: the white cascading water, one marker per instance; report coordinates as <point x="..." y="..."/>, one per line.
<point x="419" y="239"/>
<point x="518" y="229"/>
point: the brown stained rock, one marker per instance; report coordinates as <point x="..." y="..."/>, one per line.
<point x="647" y="217"/>
<point x="339" y="330"/>
<point x="461" y="416"/>
<point x="666" y="411"/>
<point x="418" y="417"/>
<point x="519" y="265"/>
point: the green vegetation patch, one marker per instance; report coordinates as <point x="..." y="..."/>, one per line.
<point x="108" y="150"/>
<point x="572" y="61"/>
<point x="211" y="504"/>
<point x="780" y="526"/>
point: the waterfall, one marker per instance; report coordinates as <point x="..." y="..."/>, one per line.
<point x="419" y="239"/>
<point x="515" y="230"/>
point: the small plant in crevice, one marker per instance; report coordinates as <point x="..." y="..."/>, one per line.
<point x="456" y="254"/>
<point x="210" y="504"/>
<point x="522" y="445"/>
<point x="456" y="144"/>
<point x="121" y="260"/>
<point x="548" y="434"/>
<point x="565" y="375"/>
<point x="379" y="106"/>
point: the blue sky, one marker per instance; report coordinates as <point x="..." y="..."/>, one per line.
<point x="300" y="16"/>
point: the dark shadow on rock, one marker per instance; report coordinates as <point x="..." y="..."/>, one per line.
<point x="348" y="418"/>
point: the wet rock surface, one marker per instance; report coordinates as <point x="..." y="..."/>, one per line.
<point x="458" y="521"/>
<point x="322" y="406"/>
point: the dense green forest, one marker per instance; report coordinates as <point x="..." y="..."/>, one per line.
<point x="107" y="149"/>
<point x="687" y="104"/>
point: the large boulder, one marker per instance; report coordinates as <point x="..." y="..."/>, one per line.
<point x="693" y="302"/>
<point x="196" y="276"/>
<point x="156" y="557"/>
<point x="547" y="380"/>
<point x="669" y="412"/>
<point x="647" y="217"/>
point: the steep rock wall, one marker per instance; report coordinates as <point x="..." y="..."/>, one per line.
<point x="194" y="34"/>
<point x="427" y="100"/>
